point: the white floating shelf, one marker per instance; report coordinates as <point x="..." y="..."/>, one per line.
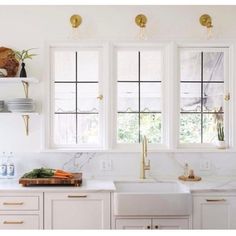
<point x="9" y="80"/>
<point x="19" y="113"/>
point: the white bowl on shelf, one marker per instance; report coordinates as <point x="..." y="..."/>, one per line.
<point x="1" y="105"/>
<point x="21" y="105"/>
<point x="20" y="100"/>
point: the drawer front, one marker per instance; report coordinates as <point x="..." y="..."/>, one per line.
<point x="19" y="222"/>
<point x="16" y="203"/>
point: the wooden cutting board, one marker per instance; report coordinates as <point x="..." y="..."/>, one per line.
<point x="76" y="180"/>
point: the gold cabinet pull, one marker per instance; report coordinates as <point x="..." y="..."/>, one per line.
<point x="216" y="200"/>
<point x="77" y="196"/>
<point x="13" y="203"/>
<point x="13" y="222"/>
<point x="100" y="97"/>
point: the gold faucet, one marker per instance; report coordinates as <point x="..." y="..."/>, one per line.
<point x="144" y="166"/>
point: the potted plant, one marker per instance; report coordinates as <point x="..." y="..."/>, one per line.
<point x="21" y="56"/>
<point x="221" y="136"/>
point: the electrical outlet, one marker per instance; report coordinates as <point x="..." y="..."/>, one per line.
<point x="205" y="165"/>
<point x="106" y="165"/>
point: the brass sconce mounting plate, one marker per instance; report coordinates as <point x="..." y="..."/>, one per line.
<point x="75" y="21"/>
<point x="141" y="20"/>
<point x="205" y="20"/>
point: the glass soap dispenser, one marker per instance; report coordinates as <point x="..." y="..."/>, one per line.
<point x="10" y="166"/>
<point x="186" y="170"/>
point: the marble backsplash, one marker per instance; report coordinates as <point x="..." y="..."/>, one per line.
<point x="122" y="165"/>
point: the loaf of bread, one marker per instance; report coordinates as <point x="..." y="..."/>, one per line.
<point x="8" y="61"/>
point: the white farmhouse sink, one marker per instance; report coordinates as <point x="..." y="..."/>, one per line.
<point x="152" y="198"/>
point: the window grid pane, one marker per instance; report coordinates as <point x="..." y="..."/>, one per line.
<point x="85" y="122"/>
<point x="209" y="106"/>
<point x="133" y="101"/>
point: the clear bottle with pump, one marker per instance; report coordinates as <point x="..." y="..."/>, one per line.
<point x="3" y="166"/>
<point x="186" y="169"/>
<point x="10" y="166"/>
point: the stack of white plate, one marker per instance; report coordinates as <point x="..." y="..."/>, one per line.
<point x="1" y="105"/>
<point x="21" y="105"/>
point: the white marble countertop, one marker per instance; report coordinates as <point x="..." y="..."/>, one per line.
<point x="212" y="184"/>
<point x="87" y="186"/>
<point x="207" y="184"/>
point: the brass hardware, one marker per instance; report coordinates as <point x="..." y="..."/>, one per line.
<point x="227" y="97"/>
<point x="77" y="196"/>
<point x="26" y="121"/>
<point x="100" y="97"/>
<point x="75" y="21"/>
<point x="141" y="20"/>
<point x="216" y="200"/>
<point x="205" y="20"/>
<point x="13" y="222"/>
<point x="156" y="227"/>
<point x="26" y="88"/>
<point x="13" y="203"/>
<point x="144" y="166"/>
<point x="148" y="227"/>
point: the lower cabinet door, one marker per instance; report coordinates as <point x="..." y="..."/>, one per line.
<point x="19" y="222"/>
<point x="214" y="212"/>
<point x="133" y="224"/>
<point x="77" y="211"/>
<point x="167" y="224"/>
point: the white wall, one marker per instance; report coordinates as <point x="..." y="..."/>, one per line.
<point x="30" y="26"/>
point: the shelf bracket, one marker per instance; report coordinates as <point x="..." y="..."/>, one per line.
<point x="26" y="121"/>
<point x="26" y="88"/>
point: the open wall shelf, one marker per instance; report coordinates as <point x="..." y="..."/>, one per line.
<point x="9" y="80"/>
<point x="25" y="82"/>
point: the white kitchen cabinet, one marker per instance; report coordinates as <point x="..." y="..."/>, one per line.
<point x="77" y="210"/>
<point x="18" y="221"/>
<point x="21" y="210"/>
<point x="133" y="224"/>
<point x="152" y="223"/>
<point x="170" y="223"/>
<point x="214" y="211"/>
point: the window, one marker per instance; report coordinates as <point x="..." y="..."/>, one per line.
<point x="142" y="97"/>
<point x="76" y="85"/>
<point x="139" y="88"/>
<point x="203" y="82"/>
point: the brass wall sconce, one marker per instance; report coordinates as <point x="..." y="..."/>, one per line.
<point x="75" y="21"/>
<point x="141" y="22"/>
<point x="206" y="21"/>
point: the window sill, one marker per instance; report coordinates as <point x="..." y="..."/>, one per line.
<point x="161" y="150"/>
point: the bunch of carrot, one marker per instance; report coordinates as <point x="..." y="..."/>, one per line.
<point x="62" y="174"/>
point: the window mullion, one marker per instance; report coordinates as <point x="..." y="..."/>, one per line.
<point x="201" y="97"/>
<point x="139" y="97"/>
<point x="76" y="90"/>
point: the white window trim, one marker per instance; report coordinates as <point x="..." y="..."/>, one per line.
<point x="229" y="88"/>
<point x="48" y="144"/>
<point x="165" y="93"/>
